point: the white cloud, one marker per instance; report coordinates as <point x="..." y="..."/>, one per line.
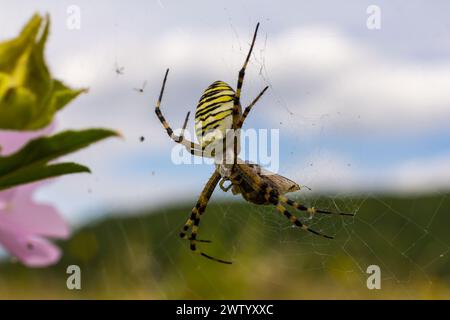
<point x="326" y="171"/>
<point x="317" y="71"/>
<point x="359" y="88"/>
<point x="326" y="78"/>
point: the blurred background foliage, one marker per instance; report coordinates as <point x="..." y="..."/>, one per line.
<point x="142" y="257"/>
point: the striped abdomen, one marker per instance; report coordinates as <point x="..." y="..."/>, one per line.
<point x="214" y="113"/>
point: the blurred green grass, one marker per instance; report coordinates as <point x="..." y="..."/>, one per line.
<point x="139" y="255"/>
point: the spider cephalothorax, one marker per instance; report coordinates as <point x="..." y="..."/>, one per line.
<point x="218" y="120"/>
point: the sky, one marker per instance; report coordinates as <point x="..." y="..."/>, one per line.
<point x="358" y="110"/>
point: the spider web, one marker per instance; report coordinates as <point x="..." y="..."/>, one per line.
<point x="403" y="235"/>
<point x="142" y="257"/>
<point x="272" y="259"/>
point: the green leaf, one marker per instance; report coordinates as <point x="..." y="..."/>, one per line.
<point x="62" y="95"/>
<point x="59" y="97"/>
<point x="29" y="96"/>
<point x="11" y="49"/>
<point x="36" y="173"/>
<point x="32" y="160"/>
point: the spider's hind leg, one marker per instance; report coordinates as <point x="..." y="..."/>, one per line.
<point x="193" y="241"/>
<point x="191" y="221"/>
<point x="263" y="190"/>
<point x="295" y="221"/>
<point x="311" y="210"/>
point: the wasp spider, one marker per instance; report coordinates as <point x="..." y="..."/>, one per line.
<point x="218" y="112"/>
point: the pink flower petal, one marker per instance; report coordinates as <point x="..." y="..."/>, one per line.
<point x="24" y="223"/>
<point x="37" y="219"/>
<point x="32" y="251"/>
<point x="24" y="215"/>
<point x="6" y="196"/>
<point x="11" y="141"/>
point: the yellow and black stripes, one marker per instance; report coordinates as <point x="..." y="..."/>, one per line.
<point x="194" y="220"/>
<point x="263" y="191"/>
<point x="237" y="97"/>
<point x="294" y="220"/>
<point x="311" y="210"/>
<point x="214" y="111"/>
<point x="218" y="110"/>
<point x="236" y="113"/>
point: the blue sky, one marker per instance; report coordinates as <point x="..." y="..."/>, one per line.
<point x="358" y="110"/>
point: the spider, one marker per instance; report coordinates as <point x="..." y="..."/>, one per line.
<point x="218" y="112"/>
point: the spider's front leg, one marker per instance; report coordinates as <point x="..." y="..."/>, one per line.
<point x="192" y="147"/>
<point x="240" y="82"/>
<point x="237" y="97"/>
<point x="249" y="108"/>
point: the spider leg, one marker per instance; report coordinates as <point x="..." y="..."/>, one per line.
<point x="221" y="185"/>
<point x="249" y="108"/>
<point x="272" y="196"/>
<point x="194" y="220"/>
<point x="240" y="82"/>
<point x="188" y="224"/>
<point x="297" y="222"/>
<point x="310" y="210"/>
<point x="214" y="259"/>
<point x="200" y="206"/>
<point x="192" y="147"/>
<point x="258" y="183"/>
<point x="237" y="96"/>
